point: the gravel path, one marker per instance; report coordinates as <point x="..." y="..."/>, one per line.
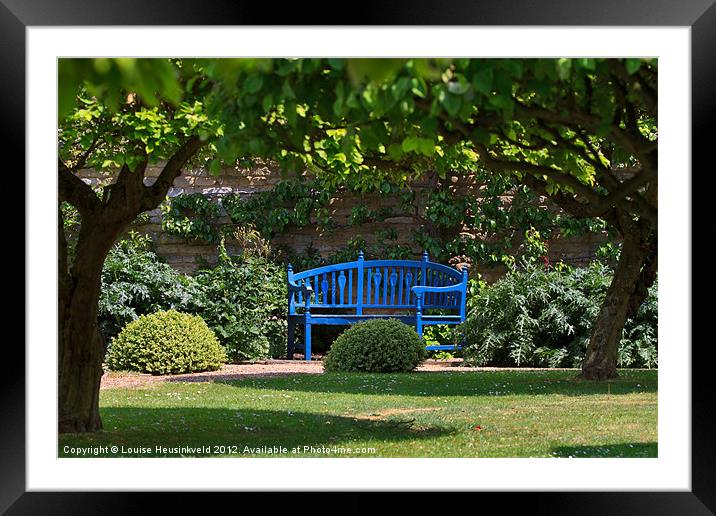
<point x="264" y="368"/>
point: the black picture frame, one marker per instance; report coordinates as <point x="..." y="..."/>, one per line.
<point x="700" y="15"/>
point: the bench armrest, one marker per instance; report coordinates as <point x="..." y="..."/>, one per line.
<point x="302" y="289"/>
<point x="419" y="290"/>
<point x="293" y="287"/>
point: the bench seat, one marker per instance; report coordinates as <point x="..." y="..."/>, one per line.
<point x="346" y="319"/>
<point x="400" y="289"/>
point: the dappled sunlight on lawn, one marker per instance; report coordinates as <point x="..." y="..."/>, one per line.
<point x="436" y="414"/>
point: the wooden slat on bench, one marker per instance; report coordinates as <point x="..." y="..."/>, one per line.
<point x="350" y="286"/>
<point x="393" y="282"/>
<point x="368" y="284"/>
<point x="408" y="285"/>
<point x="341" y="287"/>
<point x="377" y="276"/>
<point x="333" y="288"/>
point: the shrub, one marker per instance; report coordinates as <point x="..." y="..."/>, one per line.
<point x="168" y="342"/>
<point x="243" y="299"/>
<point x="380" y="345"/>
<point x="440" y="334"/>
<point x="135" y="282"/>
<point x="638" y="346"/>
<point x="543" y="318"/>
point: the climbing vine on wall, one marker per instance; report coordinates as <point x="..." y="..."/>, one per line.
<point x="501" y="213"/>
<point x="289" y="203"/>
<point x="486" y="223"/>
<point x="191" y="216"/>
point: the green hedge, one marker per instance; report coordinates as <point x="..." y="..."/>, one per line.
<point x="244" y="301"/>
<point x="168" y="342"/>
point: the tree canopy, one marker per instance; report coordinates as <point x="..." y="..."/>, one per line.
<point x="577" y="130"/>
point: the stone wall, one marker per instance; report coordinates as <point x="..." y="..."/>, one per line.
<point x="187" y="256"/>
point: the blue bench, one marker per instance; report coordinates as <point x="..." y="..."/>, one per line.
<point x="399" y="289"/>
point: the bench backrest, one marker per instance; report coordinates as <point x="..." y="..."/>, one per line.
<point x="378" y="284"/>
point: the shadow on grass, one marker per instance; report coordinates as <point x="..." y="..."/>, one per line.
<point x="468" y="383"/>
<point x="133" y="428"/>
<point x="608" y="450"/>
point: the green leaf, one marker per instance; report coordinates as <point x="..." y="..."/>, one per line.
<point x="395" y="151"/>
<point x="336" y="64"/>
<point x="410" y="144"/>
<point x="426" y="147"/>
<point x="633" y="65"/>
<point x="253" y="83"/>
<point x="587" y="63"/>
<point x="287" y="90"/>
<point x="482" y="80"/>
<point x="451" y="103"/>
<point x="460" y="86"/>
<point x="375" y="70"/>
<point x="338" y="107"/>
<point x="564" y="68"/>
<point x="267" y="102"/>
<point x="419" y="88"/>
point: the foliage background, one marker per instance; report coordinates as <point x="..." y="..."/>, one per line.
<point x="242" y="299"/>
<point x="537" y="317"/>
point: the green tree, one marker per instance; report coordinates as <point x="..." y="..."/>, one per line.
<point x="114" y="129"/>
<point x="119" y="116"/>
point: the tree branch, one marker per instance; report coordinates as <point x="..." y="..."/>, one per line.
<point x="579" y="120"/>
<point x="154" y="194"/>
<point x="75" y="191"/>
<point x="85" y="155"/>
<point x="569" y="204"/>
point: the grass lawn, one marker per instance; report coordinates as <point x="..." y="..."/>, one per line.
<point x="440" y="414"/>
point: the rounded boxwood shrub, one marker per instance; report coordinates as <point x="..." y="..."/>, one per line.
<point x="167" y="342"/>
<point x="379" y="346"/>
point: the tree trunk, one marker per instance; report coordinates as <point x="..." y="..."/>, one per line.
<point x="81" y="347"/>
<point x="633" y="276"/>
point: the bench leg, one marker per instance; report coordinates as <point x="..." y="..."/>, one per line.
<point x="419" y="313"/>
<point x="307" y="351"/>
<point x="291" y="339"/>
